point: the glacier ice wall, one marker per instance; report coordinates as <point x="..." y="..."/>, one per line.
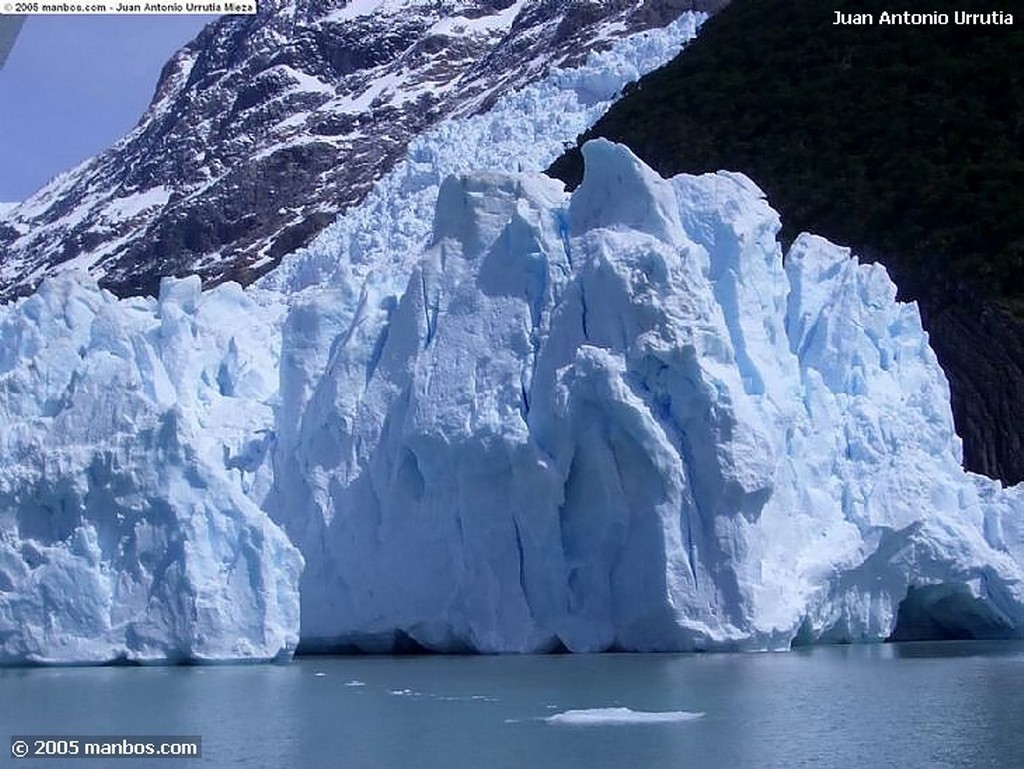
<point x="620" y="420"/>
<point x="616" y="419"/>
<point x="135" y="435"/>
<point x="495" y="417"/>
<point x="134" y="453"/>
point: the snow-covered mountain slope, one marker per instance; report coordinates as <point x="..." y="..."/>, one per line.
<point x="524" y="130"/>
<point x="265" y="127"/>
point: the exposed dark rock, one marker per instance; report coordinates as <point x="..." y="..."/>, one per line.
<point x="981" y="348"/>
<point x="265" y="127"/>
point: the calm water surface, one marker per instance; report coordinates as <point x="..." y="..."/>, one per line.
<point x="912" y="705"/>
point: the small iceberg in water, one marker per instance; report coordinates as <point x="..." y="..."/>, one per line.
<point x="619" y="717"/>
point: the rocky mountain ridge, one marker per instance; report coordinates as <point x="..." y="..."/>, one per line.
<point x="265" y="127"/>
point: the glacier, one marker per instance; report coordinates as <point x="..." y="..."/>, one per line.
<point x="136" y="435"/>
<point x="483" y="414"/>
<point x="612" y="419"/>
<point x="619" y="419"/>
<point x="130" y="528"/>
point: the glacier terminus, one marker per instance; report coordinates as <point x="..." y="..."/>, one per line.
<point x="482" y="414"/>
<point x="616" y="419"/>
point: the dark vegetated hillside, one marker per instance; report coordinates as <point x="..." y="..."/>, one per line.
<point x="904" y="142"/>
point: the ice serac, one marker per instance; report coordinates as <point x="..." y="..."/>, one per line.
<point x="616" y="420"/>
<point x="133" y="450"/>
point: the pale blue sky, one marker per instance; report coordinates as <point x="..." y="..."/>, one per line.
<point x="75" y="84"/>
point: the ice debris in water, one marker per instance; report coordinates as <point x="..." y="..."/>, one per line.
<point x="620" y="717"/>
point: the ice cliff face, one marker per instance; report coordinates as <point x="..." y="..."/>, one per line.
<point x="130" y="438"/>
<point x="616" y="420"/>
<point x="146" y="426"/>
<point x="611" y="420"/>
<point x="490" y="416"/>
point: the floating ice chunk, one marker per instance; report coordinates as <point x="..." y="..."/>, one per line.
<point x="620" y="717"/>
